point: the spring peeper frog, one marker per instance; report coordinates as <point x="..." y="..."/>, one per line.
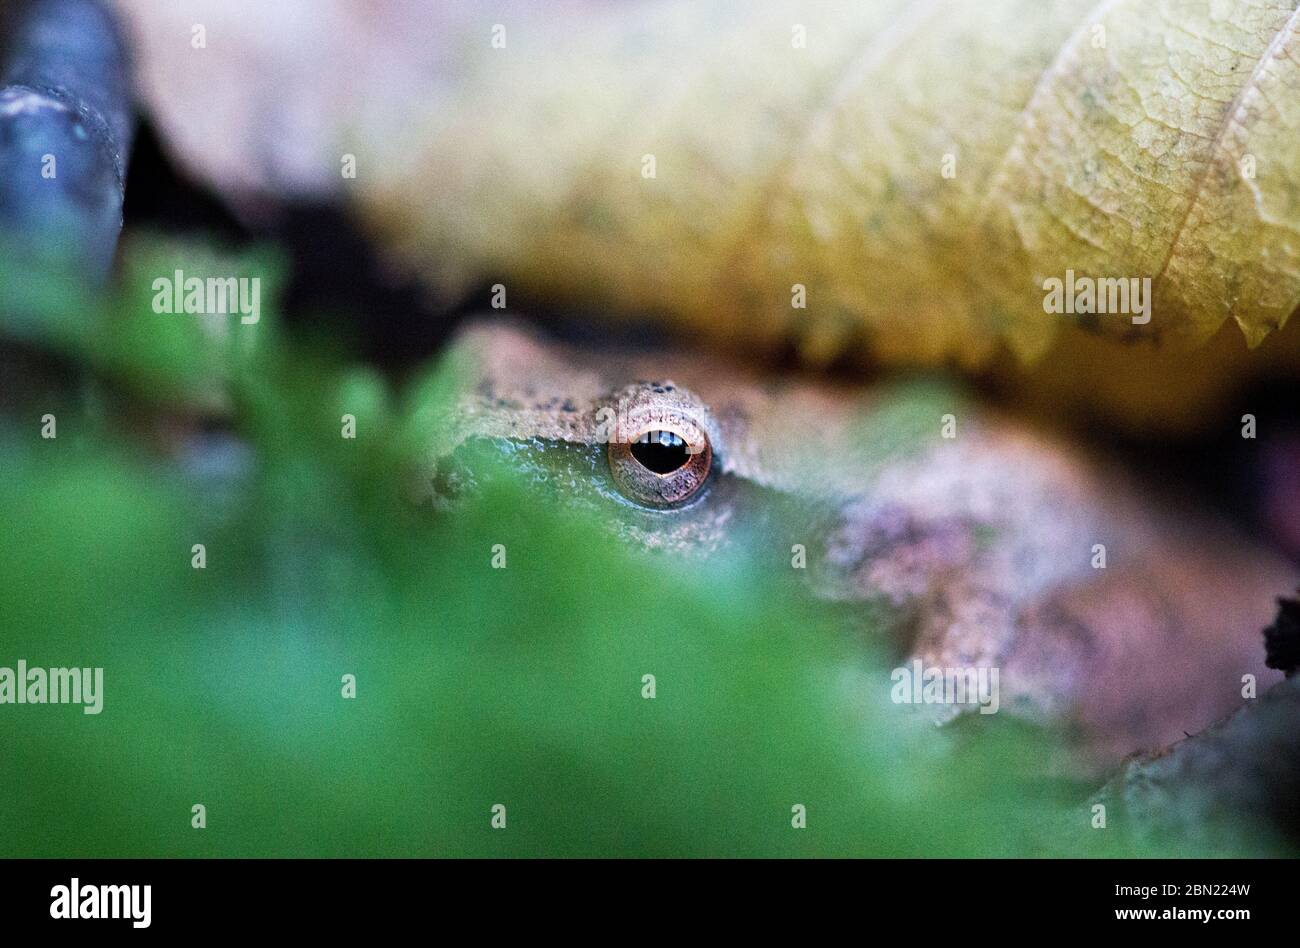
<point x="1101" y="603"/>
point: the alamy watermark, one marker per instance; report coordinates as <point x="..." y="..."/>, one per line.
<point x="631" y="421"/>
<point x="24" y="685"/>
<point x="209" y="296"/>
<point x="75" y="900"/>
<point x="970" y="685"/>
<point x="1083" y="295"/>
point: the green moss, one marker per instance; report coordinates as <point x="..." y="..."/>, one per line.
<point x="476" y="686"/>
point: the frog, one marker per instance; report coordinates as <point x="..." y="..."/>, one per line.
<point x="1104" y="606"/>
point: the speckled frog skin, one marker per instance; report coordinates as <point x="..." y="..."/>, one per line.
<point x="977" y="534"/>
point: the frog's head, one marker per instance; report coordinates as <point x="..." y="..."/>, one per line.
<point x="688" y="454"/>
<point x="671" y="451"/>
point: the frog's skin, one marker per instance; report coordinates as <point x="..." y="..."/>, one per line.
<point x="981" y="545"/>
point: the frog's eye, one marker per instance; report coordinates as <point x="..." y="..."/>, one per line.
<point x="660" y="455"/>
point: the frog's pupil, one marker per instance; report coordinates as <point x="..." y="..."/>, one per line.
<point x="660" y="451"/>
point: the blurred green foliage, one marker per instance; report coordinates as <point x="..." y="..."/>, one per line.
<point x="475" y="686"/>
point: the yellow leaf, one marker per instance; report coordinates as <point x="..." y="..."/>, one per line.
<point x="921" y="168"/>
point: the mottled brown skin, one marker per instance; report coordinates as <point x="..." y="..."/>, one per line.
<point x="979" y="545"/>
